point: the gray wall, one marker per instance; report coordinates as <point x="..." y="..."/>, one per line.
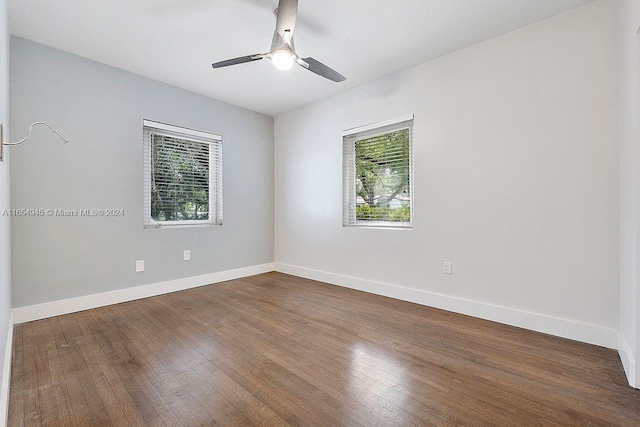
<point x="516" y="174"/>
<point x="629" y="53"/>
<point x="5" y="257"/>
<point x="101" y="109"/>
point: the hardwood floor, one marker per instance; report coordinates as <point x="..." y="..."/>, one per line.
<point x="275" y="350"/>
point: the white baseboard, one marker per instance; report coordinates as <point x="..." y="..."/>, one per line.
<point x="584" y="332"/>
<point x="628" y="360"/>
<point x="72" y="305"/>
<point x="6" y="376"/>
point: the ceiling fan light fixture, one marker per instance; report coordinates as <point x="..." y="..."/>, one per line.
<point x="283" y="52"/>
<point x="282" y="59"/>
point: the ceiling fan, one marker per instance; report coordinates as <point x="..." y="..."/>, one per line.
<point x="283" y="53"/>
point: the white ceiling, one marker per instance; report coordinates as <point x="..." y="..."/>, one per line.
<point x="175" y="41"/>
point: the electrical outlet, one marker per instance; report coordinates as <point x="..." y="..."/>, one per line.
<point x="139" y="266"/>
<point x="447" y="267"/>
<point x="186" y="255"/>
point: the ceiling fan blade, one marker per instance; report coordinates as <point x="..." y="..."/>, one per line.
<point x="322" y="70"/>
<point x="240" y="60"/>
<point x="286" y="18"/>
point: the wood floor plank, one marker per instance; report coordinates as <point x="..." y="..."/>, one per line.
<point x="128" y="370"/>
<point x="79" y="370"/>
<point x="71" y="392"/>
<point x="17" y="388"/>
<point x="278" y="350"/>
<point x="32" y="401"/>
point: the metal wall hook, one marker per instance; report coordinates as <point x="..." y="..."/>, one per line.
<point x="56" y="132"/>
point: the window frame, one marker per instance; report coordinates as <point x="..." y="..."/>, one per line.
<point x="349" y="195"/>
<point x="215" y="172"/>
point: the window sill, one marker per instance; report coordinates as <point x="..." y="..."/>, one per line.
<point x="380" y="226"/>
<point x="172" y="226"/>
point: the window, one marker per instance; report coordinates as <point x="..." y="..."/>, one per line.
<point x="378" y="174"/>
<point x="182" y="176"/>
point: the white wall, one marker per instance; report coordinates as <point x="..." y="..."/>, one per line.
<point x="516" y="176"/>
<point x="629" y="187"/>
<point x="101" y="109"/>
<point x="5" y="257"/>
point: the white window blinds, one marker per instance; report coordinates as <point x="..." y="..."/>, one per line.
<point x="378" y="174"/>
<point x="182" y="176"/>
